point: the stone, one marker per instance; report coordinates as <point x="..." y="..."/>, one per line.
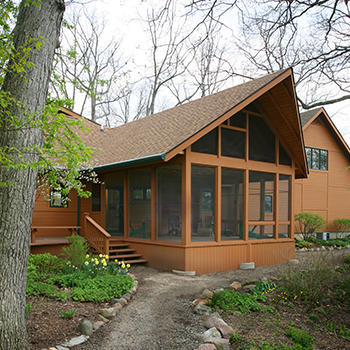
<point x="115" y="301"/>
<point x="199" y="302"/>
<point x="126" y="296"/>
<point x="95" y="326"/>
<point x="118" y="306"/>
<point x="184" y="273"/>
<point x="76" y="341"/>
<point x="263" y="278"/>
<point x="225" y="330"/>
<point x="235" y="285"/>
<point x="207" y="294"/>
<point x="124" y="301"/>
<point x="247" y="266"/>
<point x="323" y="248"/>
<point x="312" y="249"/>
<point x="132" y="290"/>
<point x="113" y="311"/>
<point x="218" y="290"/>
<point x="273" y="278"/>
<point x="105" y="313"/>
<point x="213" y="321"/>
<point x="244" y="283"/>
<point x="100" y="323"/>
<point x="318" y="249"/>
<point x="208" y="334"/>
<point x="85" y="328"/>
<point x="202" y="309"/>
<point x="225" y="287"/>
<point x="220" y="344"/>
<point x="207" y="347"/>
<point x="58" y="347"/>
<point x="101" y="318"/>
<point x="294" y="261"/>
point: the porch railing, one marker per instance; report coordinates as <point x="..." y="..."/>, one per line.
<point x="96" y="235"/>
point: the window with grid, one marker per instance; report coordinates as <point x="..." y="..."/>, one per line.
<point x="316" y="158"/>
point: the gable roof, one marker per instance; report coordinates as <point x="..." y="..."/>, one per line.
<point x="308" y="117"/>
<point x="163" y="135"/>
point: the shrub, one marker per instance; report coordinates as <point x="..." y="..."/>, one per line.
<point x="40" y="266"/>
<point x="263" y="287"/>
<point x="236" y="301"/>
<point x="309" y="223"/>
<point x="300" y="337"/>
<point x="341" y="226"/>
<point x="76" y="251"/>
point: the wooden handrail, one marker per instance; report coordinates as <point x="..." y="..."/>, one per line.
<point x="96" y="235"/>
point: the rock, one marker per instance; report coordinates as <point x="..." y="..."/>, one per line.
<point x="207" y="347"/>
<point x="202" y="309"/>
<point x="235" y="285"/>
<point x="113" y="311"/>
<point x="244" y="283"/>
<point x="294" y="261"/>
<point x="247" y="266"/>
<point x="184" y="273"/>
<point x="95" y="326"/>
<point x="263" y="278"/>
<point x="76" y="341"/>
<point x="100" y="323"/>
<point x="200" y="302"/>
<point x="118" y="306"/>
<point x="115" y="301"/>
<point x="132" y="290"/>
<point x="124" y="301"/>
<point x="220" y="344"/>
<point x="208" y="334"/>
<point x="273" y="278"/>
<point x="323" y="248"/>
<point x="318" y="249"/>
<point x="213" y="321"/>
<point x="312" y="249"/>
<point x="207" y="294"/>
<point x="226" y="331"/>
<point x="225" y="287"/>
<point x="101" y="318"/>
<point x="106" y="313"/>
<point x="218" y="290"/>
<point x="58" y="347"/>
<point x="85" y="328"/>
<point x="126" y="296"/>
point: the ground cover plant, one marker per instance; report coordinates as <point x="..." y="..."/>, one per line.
<point x="310" y="301"/>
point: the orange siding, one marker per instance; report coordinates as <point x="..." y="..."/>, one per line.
<point x="325" y="192"/>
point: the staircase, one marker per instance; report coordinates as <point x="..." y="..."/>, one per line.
<point x="122" y="251"/>
<point x="101" y="242"/>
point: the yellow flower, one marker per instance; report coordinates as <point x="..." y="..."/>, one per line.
<point x="103" y="261"/>
<point x="87" y="255"/>
<point x="104" y="264"/>
<point x="100" y="255"/>
<point x="106" y="256"/>
<point x="116" y="260"/>
<point x="128" y="265"/>
<point x="97" y="262"/>
<point x="92" y="259"/>
<point x="86" y="263"/>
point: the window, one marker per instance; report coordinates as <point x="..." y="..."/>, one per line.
<point x="232" y="143"/>
<point x="57" y="198"/>
<point x="142" y="193"/>
<point x="317" y="158"/>
<point x="207" y="144"/>
<point x="96" y="197"/>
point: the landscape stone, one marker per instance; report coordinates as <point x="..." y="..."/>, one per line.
<point x="235" y="285"/>
<point x="118" y="306"/>
<point x="125" y="301"/>
<point x="113" y="311"/>
<point x="101" y="318"/>
<point x="76" y="341"/>
<point x="202" y="309"/>
<point x="225" y="330"/>
<point x="244" y="283"/>
<point x="115" y="301"/>
<point x="209" y="334"/>
<point x="106" y="313"/>
<point x="220" y="344"/>
<point x="218" y="290"/>
<point x="294" y="261"/>
<point x="225" y="287"/>
<point x="323" y="248"/>
<point x="247" y="266"/>
<point x="100" y="323"/>
<point x="95" y="326"/>
<point x="126" y="296"/>
<point x="207" y="347"/>
<point x="58" y="347"/>
<point x="207" y="294"/>
<point x="213" y="321"/>
<point x="85" y="328"/>
<point x="263" y="279"/>
<point x="200" y="302"/>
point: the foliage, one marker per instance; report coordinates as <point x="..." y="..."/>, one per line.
<point x="263" y="287"/>
<point x="302" y="244"/>
<point x="45" y="264"/>
<point x="309" y="223"/>
<point x="68" y="314"/>
<point x="235" y="337"/>
<point x="347" y="259"/>
<point x="27" y="309"/>
<point x="266" y="345"/>
<point x="300" y="337"/>
<point x="341" y="226"/>
<point x="76" y="251"/>
<point x="312" y="281"/>
<point x="236" y="301"/>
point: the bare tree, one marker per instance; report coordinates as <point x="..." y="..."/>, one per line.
<point x="88" y="68"/>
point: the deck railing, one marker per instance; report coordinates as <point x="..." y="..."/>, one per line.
<point x="96" y="235"/>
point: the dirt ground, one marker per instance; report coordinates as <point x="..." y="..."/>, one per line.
<point x="160" y="315"/>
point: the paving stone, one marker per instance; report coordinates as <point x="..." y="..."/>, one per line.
<point x="76" y="341"/>
<point x="209" y="334"/>
<point x="247" y="266"/>
<point x="200" y="302"/>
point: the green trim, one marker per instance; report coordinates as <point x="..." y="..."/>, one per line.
<point x="130" y="162"/>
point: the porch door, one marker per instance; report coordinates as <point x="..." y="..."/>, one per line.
<point x="114" y="209"/>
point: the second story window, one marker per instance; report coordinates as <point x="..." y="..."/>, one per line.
<point x="316" y="158"/>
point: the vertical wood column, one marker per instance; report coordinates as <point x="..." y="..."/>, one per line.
<point x="103" y="202"/>
<point x="276" y="204"/>
<point x="246" y="205"/>
<point x="186" y="198"/>
<point x="291" y="200"/>
<point x="218" y="204"/>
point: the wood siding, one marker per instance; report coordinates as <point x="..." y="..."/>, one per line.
<point x="325" y="192"/>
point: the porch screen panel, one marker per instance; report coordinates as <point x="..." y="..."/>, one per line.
<point x="207" y="144"/>
<point x="261" y="232"/>
<point x="139" y="203"/>
<point x="203" y="203"/>
<point x="261" y="196"/>
<point x="284" y="185"/>
<point x="232" y="143"/>
<point x="283" y="231"/>
<point x="232" y="204"/>
<point x="239" y="120"/>
<point x="261" y="140"/>
<point x="114" y="203"/>
<point x="284" y="158"/>
<point x="169" y="203"/>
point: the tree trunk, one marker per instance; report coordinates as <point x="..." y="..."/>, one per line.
<point x="17" y="199"/>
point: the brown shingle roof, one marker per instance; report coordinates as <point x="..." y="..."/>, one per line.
<point x="162" y="132"/>
<point x="306" y="116"/>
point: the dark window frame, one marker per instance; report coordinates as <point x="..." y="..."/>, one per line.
<point x="146" y="193"/>
<point x="310" y="159"/>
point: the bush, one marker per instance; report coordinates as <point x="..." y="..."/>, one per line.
<point x="40" y="266"/>
<point x="76" y="251"/>
<point x="300" y="337"/>
<point x="341" y="226"/>
<point x="309" y="223"/>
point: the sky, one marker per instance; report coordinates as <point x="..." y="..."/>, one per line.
<point x="122" y="16"/>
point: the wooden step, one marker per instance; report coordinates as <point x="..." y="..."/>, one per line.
<point x="121" y="250"/>
<point x="118" y="245"/>
<point x="125" y="256"/>
<point x="139" y="261"/>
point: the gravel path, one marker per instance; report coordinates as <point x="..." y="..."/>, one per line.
<point x="160" y="316"/>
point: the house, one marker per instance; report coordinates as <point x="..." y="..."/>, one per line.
<point x="202" y="187"/>
<point x="326" y="190"/>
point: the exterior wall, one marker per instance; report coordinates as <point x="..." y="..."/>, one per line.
<point x="325" y="192"/>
